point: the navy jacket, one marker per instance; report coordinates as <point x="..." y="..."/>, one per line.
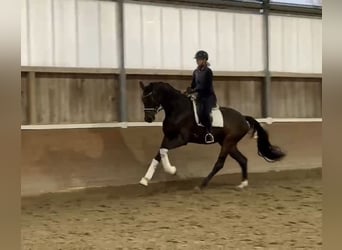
<point x="202" y="83"/>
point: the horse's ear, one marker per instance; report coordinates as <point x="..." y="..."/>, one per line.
<point x="141" y="85"/>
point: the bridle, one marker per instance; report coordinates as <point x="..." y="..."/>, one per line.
<point x="155" y="109"/>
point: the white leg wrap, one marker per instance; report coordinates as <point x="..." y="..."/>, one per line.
<point x="166" y="163"/>
<point x="255" y="135"/>
<point x="243" y="184"/>
<point x="150" y="172"/>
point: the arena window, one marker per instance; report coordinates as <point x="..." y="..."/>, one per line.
<point x="299" y="2"/>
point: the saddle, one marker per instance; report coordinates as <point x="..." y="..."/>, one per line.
<point x="215" y="114"/>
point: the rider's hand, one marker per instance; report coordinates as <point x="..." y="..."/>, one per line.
<point x="189" y="90"/>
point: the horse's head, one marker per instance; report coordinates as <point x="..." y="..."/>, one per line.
<point x="151" y="101"/>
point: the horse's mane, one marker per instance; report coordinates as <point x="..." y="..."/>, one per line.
<point x="165" y="86"/>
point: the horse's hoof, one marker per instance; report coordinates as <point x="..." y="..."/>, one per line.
<point x="243" y="185"/>
<point x="180" y="175"/>
<point x="144" y="182"/>
<point x="197" y="189"/>
<point x="172" y="170"/>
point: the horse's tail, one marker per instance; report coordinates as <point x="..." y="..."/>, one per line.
<point x="269" y="152"/>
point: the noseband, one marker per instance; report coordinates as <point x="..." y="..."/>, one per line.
<point x="155" y="109"/>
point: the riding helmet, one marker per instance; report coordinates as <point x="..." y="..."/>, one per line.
<point x="201" y="54"/>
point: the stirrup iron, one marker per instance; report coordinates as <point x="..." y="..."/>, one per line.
<point x="209" y="138"/>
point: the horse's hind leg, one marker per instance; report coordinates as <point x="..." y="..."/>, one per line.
<point x="242" y="160"/>
<point x="218" y="165"/>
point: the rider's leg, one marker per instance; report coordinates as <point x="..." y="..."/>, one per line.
<point x="206" y="120"/>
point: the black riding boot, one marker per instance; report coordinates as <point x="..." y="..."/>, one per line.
<point x="206" y="119"/>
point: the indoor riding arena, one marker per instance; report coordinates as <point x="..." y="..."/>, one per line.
<point x="86" y="147"/>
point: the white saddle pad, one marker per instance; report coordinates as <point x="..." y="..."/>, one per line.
<point x="216" y="115"/>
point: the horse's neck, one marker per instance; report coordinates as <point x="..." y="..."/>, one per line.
<point x="174" y="103"/>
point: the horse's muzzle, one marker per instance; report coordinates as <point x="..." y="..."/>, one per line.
<point x="149" y="118"/>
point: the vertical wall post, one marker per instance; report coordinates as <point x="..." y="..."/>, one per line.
<point x="32" y="109"/>
<point x="266" y="87"/>
<point x="121" y="53"/>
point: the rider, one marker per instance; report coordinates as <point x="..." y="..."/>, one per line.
<point x="202" y="84"/>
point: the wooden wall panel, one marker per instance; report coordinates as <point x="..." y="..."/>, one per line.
<point x="76" y="98"/>
<point x="296" y="98"/>
<point x="242" y="94"/>
<point x="62" y="98"/>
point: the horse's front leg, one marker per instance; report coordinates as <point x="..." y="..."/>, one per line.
<point x="151" y="169"/>
<point x="167" y="144"/>
<point x="162" y="156"/>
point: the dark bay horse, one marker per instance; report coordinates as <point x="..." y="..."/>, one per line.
<point x="180" y="128"/>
